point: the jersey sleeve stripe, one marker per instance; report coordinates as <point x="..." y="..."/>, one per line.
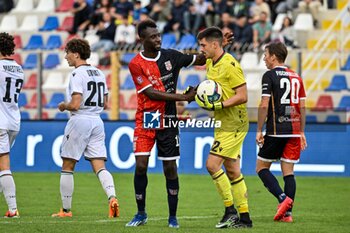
<point x="194" y="59"/>
<point x="266" y="95"/>
<point x="142" y="153"/>
<point x="149" y="85"/>
<point x="302" y="98"/>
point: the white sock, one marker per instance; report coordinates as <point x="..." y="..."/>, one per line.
<point x="66" y="189"/>
<point x="107" y="182"/>
<point x="9" y="188"/>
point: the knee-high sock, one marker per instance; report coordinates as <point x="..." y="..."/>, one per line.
<point x="140" y="185"/>
<point x="240" y="195"/>
<point x="223" y="186"/>
<point x="271" y="183"/>
<point x="172" y="187"/>
<point x="9" y="188"/>
<point x="290" y="187"/>
<point x="66" y="189"/>
<point x="107" y="182"/>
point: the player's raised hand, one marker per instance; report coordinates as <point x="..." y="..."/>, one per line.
<point x="228" y="39"/>
<point x="207" y="105"/>
<point x="303" y="142"/>
<point x="259" y="139"/>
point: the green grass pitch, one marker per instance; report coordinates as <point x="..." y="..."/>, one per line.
<point x="322" y="205"/>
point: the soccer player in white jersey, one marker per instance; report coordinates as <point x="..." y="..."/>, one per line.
<point x="11" y="80"/>
<point x="87" y="96"/>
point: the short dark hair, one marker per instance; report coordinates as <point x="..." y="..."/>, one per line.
<point x="79" y="46"/>
<point x="210" y="34"/>
<point x="142" y="26"/>
<point x="278" y="49"/>
<point x="7" y="44"/>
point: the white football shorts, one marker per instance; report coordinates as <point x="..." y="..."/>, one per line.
<point x="7" y="138"/>
<point x="84" y="135"/>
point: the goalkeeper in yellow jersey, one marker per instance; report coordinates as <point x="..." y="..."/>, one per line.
<point x="228" y="140"/>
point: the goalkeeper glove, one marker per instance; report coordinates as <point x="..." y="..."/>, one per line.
<point x="207" y="105"/>
<point x="191" y="91"/>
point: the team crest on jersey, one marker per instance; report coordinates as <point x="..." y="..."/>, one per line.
<point x="168" y="65"/>
<point x="139" y="80"/>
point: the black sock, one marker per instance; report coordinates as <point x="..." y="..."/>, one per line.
<point x="272" y="184"/>
<point x="230" y="210"/>
<point x="290" y="187"/>
<point x="140" y="184"/>
<point x="172" y="187"/>
<point x="244" y="217"/>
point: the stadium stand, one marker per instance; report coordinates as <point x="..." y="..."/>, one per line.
<point x="61" y="116"/>
<point x="30" y="24"/>
<point x="53" y="42"/>
<point x="23" y="6"/>
<point x="31" y="82"/>
<point x="35" y="42"/>
<point x="9" y="23"/>
<point x="338" y="83"/>
<point x="45" y="6"/>
<point x="51" y="23"/>
<point x="65" y="6"/>
<point x="31" y="61"/>
<point x="55" y="100"/>
<point x="52" y="60"/>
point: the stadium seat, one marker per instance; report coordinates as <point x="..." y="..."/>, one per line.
<point x="30" y="23"/>
<point x="71" y="36"/>
<point x="51" y="23"/>
<point x="311" y="119"/>
<point x="25" y="115"/>
<point x="67" y="24"/>
<point x="54" y="81"/>
<point x="128" y="83"/>
<point x="18" y="41"/>
<point x="35" y="42"/>
<point x="338" y="83"/>
<point x="17" y="57"/>
<point x="65" y="6"/>
<point x="55" y="100"/>
<point x="324" y="103"/>
<point x="9" y="23"/>
<point x="44" y="116"/>
<point x="187" y="41"/>
<point x="22" y="99"/>
<point x="347" y="64"/>
<point x="192" y="106"/>
<point x="277" y="25"/>
<point x="32" y="82"/>
<point x="253" y="80"/>
<point x="61" y="116"/>
<point x="123" y="116"/>
<point x="132" y="103"/>
<point x="122" y="104"/>
<point x="104" y="116"/>
<point x="344" y="104"/>
<point x="249" y="60"/>
<point x="33" y="101"/>
<point x="333" y="119"/>
<point x="126" y="58"/>
<point x="304" y="22"/>
<point x="45" y="6"/>
<point x="191" y="80"/>
<point x="31" y="61"/>
<point x="168" y="40"/>
<point x="23" y="6"/>
<point x="52" y="60"/>
<point x="54" y="42"/>
<point x="93" y="60"/>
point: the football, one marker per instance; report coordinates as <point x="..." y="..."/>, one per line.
<point x="211" y="88"/>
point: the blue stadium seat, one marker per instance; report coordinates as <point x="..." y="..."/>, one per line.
<point x="54" y="42"/>
<point x="104" y="116"/>
<point x="128" y="83"/>
<point x="338" y="83"/>
<point x="187" y="41"/>
<point x="22" y="99"/>
<point x="168" y="40"/>
<point x="123" y="116"/>
<point x="344" y="104"/>
<point x="191" y="80"/>
<point x="347" y="64"/>
<point x="25" y="116"/>
<point x="55" y="100"/>
<point x="126" y="58"/>
<point x="332" y="119"/>
<point x="35" y="42"/>
<point x="179" y="85"/>
<point x="31" y="61"/>
<point x="192" y="106"/>
<point x="51" y="23"/>
<point x="61" y="116"/>
<point x="311" y="119"/>
<point x="52" y="60"/>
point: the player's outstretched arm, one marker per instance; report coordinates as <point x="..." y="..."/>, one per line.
<point x="159" y="95"/>
<point x="73" y="105"/>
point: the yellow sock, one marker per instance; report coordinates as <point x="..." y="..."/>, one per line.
<point x="222" y="184"/>
<point x="240" y="195"/>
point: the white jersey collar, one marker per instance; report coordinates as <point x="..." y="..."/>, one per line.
<point x="150" y="59"/>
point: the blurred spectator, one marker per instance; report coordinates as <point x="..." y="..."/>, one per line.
<point x="287" y="34"/>
<point x="261" y="31"/>
<point x="287" y="6"/>
<point x="125" y="34"/>
<point x="238" y="8"/>
<point x="121" y="8"/>
<point x="144" y="14"/>
<point x="243" y="34"/>
<point x="201" y="6"/>
<point x="81" y="11"/>
<point x="137" y="12"/>
<point x="99" y="8"/>
<point x="176" y="23"/>
<point x="214" y="12"/>
<point x="106" y="31"/>
<point x="161" y="13"/>
<point x="310" y="6"/>
<point x="6" y="5"/>
<point x="257" y="8"/>
<point x="226" y="22"/>
<point x="193" y="20"/>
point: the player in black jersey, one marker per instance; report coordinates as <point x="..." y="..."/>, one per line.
<point x="283" y="107"/>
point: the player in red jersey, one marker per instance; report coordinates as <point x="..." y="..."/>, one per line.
<point x="283" y="107"/>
